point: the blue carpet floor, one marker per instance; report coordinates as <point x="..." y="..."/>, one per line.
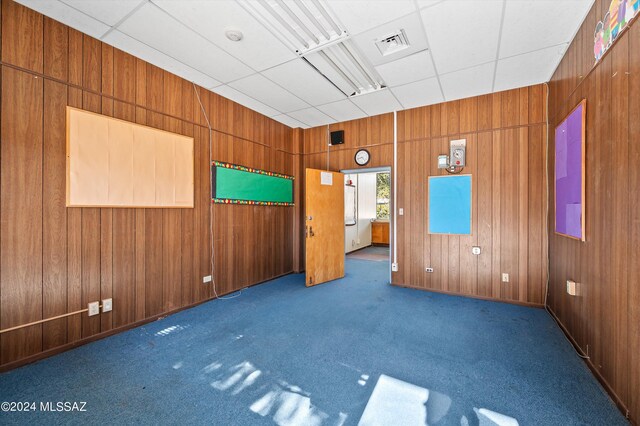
<point x="283" y="353"/>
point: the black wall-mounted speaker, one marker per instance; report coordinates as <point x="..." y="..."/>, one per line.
<point x="337" y="137"/>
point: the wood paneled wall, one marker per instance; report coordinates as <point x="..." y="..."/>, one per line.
<point x="54" y="259"/>
<point x="506" y="134"/>
<point x="604" y="320"/>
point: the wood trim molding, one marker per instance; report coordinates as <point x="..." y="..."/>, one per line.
<point x="104" y="334"/>
<point x="614" y="396"/>
<point x="136" y="105"/>
<point x="471" y="296"/>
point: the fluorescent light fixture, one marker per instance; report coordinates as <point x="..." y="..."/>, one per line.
<point x="309" y="29"/>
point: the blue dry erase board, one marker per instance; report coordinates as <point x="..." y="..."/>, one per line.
<point x="450" y="205"/>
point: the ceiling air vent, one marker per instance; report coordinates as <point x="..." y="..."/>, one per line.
<point x="392" y="43"/>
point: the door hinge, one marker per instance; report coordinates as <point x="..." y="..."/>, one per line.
<point x="310" y="280"/>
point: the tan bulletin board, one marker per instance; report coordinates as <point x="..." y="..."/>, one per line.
<point x="115" y="163"/>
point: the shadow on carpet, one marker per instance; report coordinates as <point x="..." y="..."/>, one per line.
<point x="334" y="354"/>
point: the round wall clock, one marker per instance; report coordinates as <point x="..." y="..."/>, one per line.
<point x="362" y="157"/>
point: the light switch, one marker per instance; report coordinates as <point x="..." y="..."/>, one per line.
<point x="401" y="211"/>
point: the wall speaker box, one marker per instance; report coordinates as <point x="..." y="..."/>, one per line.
<point x="337" y="137"/>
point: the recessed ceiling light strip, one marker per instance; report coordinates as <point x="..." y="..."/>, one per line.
<point x="346" y="64"/>
<point x="339" y="71"/>
<point x="297" y="20"/>
<point x="314" y="32"/>
<point x="326" y="16"/>
<point x="284" y="23"/>
<point x="323" y="75"/>
<point x="314" y="21"/>
<point x="366" y="75"/>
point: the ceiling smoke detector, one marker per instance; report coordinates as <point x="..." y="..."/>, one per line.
<point x="234" y="35"/>
<point x="392" y="43"/>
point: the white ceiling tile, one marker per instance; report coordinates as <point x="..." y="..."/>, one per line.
<point x="377" y="102"/>
<point x="413" y="29"/>
<point x="288" y="121"/>
<point x="305" y="82"/>
<point x="264" y="90"/>
<point x="419" y="93"/>
<point x="68" y="16"/>
<point x="360" y="15"/>
<point x="242" y="99"/>
<point x="159" y="59"/>
<point x="535" y="24"/>
<point x="154" y="27"/>
<point x="463" y="33"/>
<point x="342" y="110"/>
<point x="408" y="69"/>
<point x="428" y="3"/>
<point x="528" y="69"/>
<point x="187" y="38"/>
<point x="108" y="11"/>
<point x="469" y="82"/>
<point x="258" y="48"/>
<point x="311" y="117"/>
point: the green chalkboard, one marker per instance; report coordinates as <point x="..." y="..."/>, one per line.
<point x="234" y="184"/>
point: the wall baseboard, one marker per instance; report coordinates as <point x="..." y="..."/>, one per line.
<point x="72" y="345"/>
<point x="472" y="296"/>
<point x="616" y="399"/>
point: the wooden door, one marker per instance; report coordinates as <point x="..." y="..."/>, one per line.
<point x="324" y="226"/>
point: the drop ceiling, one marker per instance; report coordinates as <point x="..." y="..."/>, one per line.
<point x="457" y="48"/>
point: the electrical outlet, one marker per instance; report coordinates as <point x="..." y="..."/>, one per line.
<point x="206" y="279"/>
<point x="572" y="288"/>
<point x="107" y="305"/>
<point x="94" y="308"/>
<point x="429" y="270"/>
<point x="505" y="277"/>
<point x="394" y="267"/>
<point x="475" y="250"/>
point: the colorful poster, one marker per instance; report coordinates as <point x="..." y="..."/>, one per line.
<point x="620" y="14"/>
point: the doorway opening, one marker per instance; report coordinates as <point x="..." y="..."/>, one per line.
<point x="367" y="215"/>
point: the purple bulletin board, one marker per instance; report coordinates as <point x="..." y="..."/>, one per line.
<point x="569" y="174"/>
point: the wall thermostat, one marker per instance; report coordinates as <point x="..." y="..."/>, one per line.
<point x="443" y="161"/>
